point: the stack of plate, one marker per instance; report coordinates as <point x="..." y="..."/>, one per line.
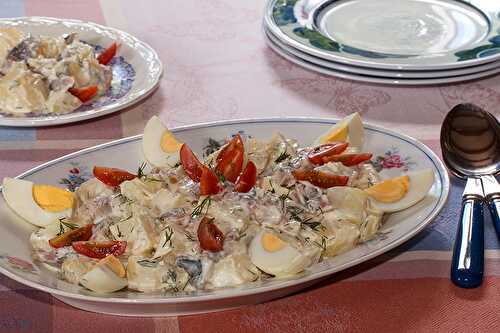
<point x="408" y="42"/>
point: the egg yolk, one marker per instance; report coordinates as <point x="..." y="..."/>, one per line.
<point x="114" y="264"/>
<point x="52" y="199"/>
<point x="271" y="243"/>
<point x="390" y="190"/>
<point x="339" y="134"/>
<point x="169" y="144"/>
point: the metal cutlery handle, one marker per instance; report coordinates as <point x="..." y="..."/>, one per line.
<point x="494" y="207"/>
<point x="468" y="252"/>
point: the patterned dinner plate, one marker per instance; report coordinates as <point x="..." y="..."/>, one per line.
<point x="393" y="153"/>
<point x="136" y="68"/>
<point x="372" y="78"/>
<point x="390" y="34"/>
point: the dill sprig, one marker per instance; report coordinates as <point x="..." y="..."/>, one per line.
<point x="272" y="186"/>
<point x="283" y="198"/>
<point x="283" y="156"/>
<point x="140" y="170"/>
<point x="68" y="225"/>
<point x="204" y="204"/>
<point x="169" y="232"/>
<point x="189" y="236"/>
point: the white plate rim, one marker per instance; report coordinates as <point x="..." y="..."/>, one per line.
<point x="94" y="113"/>
<point x="363" y="63"/>
<point x="231" y="293"/>
<point x="392" y="74"/>
<point x="377" y="79"/>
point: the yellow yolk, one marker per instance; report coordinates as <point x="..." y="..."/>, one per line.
<point x="271" y="243"/>
<point x="390" y="190"/>
<point x="340" y="134"/>
<point x="113" y="264"/>
<point x="169" y="144"/>
<point x="52" y="199"/>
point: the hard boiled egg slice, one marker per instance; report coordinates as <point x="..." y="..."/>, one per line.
<point x="350" y="129"/>
<point x="38" y="204"/>
<point x="107" y="276"/>
<point x="160" y="147"/>
<point x="275" y="256"/>
<point x="395" y="194"/>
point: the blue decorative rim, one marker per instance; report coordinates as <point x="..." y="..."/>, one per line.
<point x="283" y="15"/>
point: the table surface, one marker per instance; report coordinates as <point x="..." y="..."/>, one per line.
<point x="218" y="67"/>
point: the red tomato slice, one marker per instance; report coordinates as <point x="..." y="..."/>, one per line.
<point x="210" y="237"/>
<point x="112" y="176"/>
<point x="247" y="179"/>
<point x="99" y="250"/>
<point x="320" y="178"/>
<point x="81" y="234"/>
<point x="209" y="182"/>
<point x="349" y="159"/>
<point x="190" y="163"/>
<point x="318" y="154"/>
<point x="84" y="94"/>
<point x="105" y="56"/>
<point x="230" y="159"/>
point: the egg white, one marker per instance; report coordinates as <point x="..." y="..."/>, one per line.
<point x="355" y="131"/>
<point x="154" y="154"/>
<point x="102" y="279"/>
<point x="287" y="261"/>
<point x="420" y="184"/>
<point x="18" y="194"/>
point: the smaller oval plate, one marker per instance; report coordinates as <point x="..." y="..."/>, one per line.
<point x="136" y="69"/>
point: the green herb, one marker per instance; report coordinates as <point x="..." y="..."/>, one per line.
<point x="272" y="187"/>
<point x="204" y="204"/>
<point x="314" y="225"/>
<point x="189" y="236"/>
<point x="127" y="218"/>
<point x="120" y="235"/>
<point x="221" y="178"/>
<point x="169" y="232"/>
<point x="176" y="165"/>
<point x="283" y="198"/>
<point x="149" y="263"/>
<point x="68" y="225"/>
<point x="283" y="156"/>
<point x="140" y="171"/>
<point x="321" y="245"/>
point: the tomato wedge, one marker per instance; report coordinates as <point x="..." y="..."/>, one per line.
<point x="84" y="94"/>
<point x="105" y="56"/>
<point x="210" y="237"/>
<point x="320" y="178"/>
<point x="190" y="163"/>
<point x="112" y="176"/>
<point x="247" y="179"/>
<point x="99" y="250"/>
<point x="319" y="154"/>
<point x="209" y="182"/>
<point x="81" y="234"/>
<point x="349" y="159"/>
<point x="230" y="159"/>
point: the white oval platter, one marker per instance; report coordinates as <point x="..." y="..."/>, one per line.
<point x="71" y="170"/>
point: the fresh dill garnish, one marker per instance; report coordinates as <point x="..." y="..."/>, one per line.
<point x="177" y="164"/>
<point x="189" y="236"/>
<point x="272" y="187"/>
<point x="149" y="263"/>
<point x="283" y="198"/>
<point x="169" y="232"/>
<point x="321" y="245"/>
<point x="120" y="235"/>
<point x="127" y="218"/>
<point x="204" y="204"/>
<point x="221" y="178"/>
<point x="314" y="225"/>
<point x="68" y="225"/>
<point x="283" y="156"/>
<point x="140" y="171"/>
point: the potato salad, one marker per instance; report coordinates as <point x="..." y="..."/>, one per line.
<point x="253" y="209"/>
<point x="50" y="75"/>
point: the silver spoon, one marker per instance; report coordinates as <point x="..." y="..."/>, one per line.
<point x="470" y="143"/>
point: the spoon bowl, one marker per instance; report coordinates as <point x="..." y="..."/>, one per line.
<point x="470" y="141"/>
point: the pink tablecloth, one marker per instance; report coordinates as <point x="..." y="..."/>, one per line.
<point x="218" y="67"/>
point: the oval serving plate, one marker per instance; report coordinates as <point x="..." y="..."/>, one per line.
<point x="136" y="68"/>
<point x="73" y="169"/>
